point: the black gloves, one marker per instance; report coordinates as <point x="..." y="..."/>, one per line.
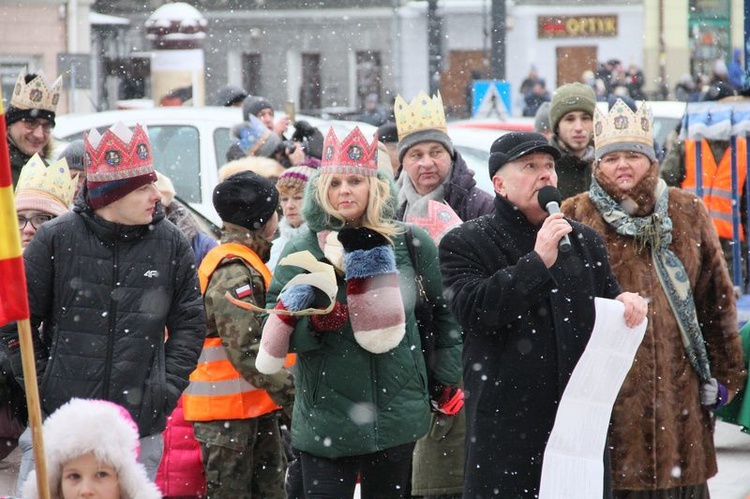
<point x="361" y="238"/>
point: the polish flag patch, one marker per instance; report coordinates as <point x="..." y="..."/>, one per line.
<point x="243" y="291"/>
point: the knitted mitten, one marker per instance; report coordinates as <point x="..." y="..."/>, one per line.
<point x="376" y="308"/>
<point x="274" y="342"/>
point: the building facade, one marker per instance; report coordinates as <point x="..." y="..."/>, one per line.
<point x="330" y="54"/>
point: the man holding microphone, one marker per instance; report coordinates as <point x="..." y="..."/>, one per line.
<point x="527" y="312"/>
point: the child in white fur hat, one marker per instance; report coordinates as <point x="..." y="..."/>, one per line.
<point x="91" y="447"/>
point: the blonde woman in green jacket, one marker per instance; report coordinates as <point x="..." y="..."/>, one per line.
<point x="362" y="397"/>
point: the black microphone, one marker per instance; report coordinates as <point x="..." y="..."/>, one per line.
<point x="549" y="200"/>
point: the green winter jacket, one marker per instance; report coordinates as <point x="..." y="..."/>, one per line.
<point x="350" y="401"/>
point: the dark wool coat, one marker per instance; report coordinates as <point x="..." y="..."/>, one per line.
<point x="105" y="293"/>
<point x="660" y="435"/>
<point x="461" y="193"/>
<point x="525" y="327"/>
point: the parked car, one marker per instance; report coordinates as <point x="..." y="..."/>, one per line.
<point x="189" y="143"/>
<point x="474" y="145"/>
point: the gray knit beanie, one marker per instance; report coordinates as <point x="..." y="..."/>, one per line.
<point x="429" y="135"/>
<point x="569" y="98"/>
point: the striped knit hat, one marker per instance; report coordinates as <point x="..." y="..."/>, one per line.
<point x="294" y="178"/>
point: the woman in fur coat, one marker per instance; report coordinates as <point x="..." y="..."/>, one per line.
<point x="662" y="244"/>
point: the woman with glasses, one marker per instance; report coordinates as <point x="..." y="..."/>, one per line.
<point x="43" y="192"/>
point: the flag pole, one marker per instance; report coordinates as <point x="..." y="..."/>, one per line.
<point x="32" y="401"/>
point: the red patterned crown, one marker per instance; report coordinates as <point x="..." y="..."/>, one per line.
<point x="354" y="154"/>
<point x="117" y="154"/>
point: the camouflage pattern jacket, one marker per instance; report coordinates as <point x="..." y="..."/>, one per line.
<point x="239" y="329"/>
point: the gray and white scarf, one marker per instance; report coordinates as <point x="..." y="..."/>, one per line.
<point x="416" y="203"/>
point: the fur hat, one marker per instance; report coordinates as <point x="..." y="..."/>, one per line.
<point x="246" y="199"/>
<point x="253" y="105"/>
<point x="294" y="178"/>
<point x="569" y="98"/>
<point x="103" y="428"/>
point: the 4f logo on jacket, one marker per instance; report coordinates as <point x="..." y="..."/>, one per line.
<point x="151" y="273"/>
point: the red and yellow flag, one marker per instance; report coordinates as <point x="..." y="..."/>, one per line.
<point x="14" y="303"/>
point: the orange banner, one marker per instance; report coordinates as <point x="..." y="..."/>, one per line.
<point x="14" y="304"/>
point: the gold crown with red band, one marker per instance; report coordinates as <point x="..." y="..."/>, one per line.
<point x="117" y="154"/>
<point x="36" y="94"/>
<point x="353" y="154"/>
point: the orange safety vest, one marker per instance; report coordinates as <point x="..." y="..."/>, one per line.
<point x="217" y="391"/>
<point x="717" y="182"/>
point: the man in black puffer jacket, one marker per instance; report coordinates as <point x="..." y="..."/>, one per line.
<point x="106" y="281"/>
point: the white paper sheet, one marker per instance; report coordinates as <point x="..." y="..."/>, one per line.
<point x="573" y="467"/>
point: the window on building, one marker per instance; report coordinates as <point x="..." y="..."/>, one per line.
<point x="369" y="75"/>
<point x="251" y="73"/>
<point x="310" y="90"/>
<point x="10" y="68"/>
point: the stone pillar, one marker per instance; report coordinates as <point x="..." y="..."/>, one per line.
<point x="176" y="32"/>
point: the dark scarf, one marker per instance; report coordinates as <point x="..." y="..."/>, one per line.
<point x="642" y="214"/>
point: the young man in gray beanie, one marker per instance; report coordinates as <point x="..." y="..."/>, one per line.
<point x="571" y="118"/>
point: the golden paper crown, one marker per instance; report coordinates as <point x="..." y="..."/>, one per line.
<point x="36" y="94"/>
<point x="51" y="182"/>
<point x="623" y="130"/>
<point x="422" y="113"/>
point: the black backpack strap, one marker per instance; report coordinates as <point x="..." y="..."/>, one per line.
<point x="414" y="257"/>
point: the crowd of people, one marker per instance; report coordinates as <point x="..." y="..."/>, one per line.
<point x="368" y="315"/>
<point x="612" y="79"/>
